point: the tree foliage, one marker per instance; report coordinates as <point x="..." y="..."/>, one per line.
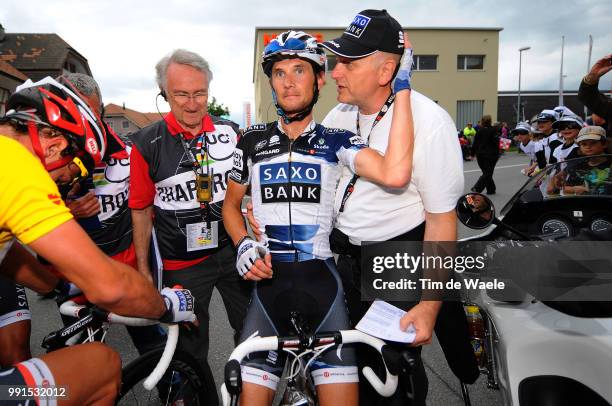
<point x="216" y="108"/>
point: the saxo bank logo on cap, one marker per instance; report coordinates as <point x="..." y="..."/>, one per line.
<point x="358" y="26"/>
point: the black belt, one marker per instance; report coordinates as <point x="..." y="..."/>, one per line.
<point x="340" y="244"/>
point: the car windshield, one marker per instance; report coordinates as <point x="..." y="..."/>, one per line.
<point x="584" y="176"/>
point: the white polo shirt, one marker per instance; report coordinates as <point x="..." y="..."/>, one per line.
<point x="378" y="213"/>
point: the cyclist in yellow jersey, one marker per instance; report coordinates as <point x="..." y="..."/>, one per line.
<point x="49" y="121"/>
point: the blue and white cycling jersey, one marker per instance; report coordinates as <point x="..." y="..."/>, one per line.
<point x="293" y="184"/>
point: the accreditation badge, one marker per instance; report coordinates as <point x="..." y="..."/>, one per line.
<point x="200" y="237"/>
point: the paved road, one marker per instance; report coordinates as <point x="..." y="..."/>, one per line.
<point x="443" y="386"/>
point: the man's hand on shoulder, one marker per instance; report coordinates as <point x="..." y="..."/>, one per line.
<point x="252" y="222"/>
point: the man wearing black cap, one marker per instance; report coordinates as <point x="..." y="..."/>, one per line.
<point x="423" y="210"/>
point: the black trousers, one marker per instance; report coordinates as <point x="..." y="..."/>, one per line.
<point x="487" y="166"/>
<point x="350" y="271"/>
<point x="219" y="270"/>
<point x="411" y="391"/>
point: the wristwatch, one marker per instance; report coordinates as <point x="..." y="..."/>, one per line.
<point x="590" y="79"/>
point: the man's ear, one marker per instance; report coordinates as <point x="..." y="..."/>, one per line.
<point x="386" y="71"/>
<point x="320" y="79"/>
<point x="53" y="147"/>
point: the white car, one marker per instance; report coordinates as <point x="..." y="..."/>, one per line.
<point x="544" y="351"/>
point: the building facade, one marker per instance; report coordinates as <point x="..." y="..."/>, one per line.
<point x="34" y="56"/>
<point x="125" y="121"/>
<point x="10" y="78"/>
<point x="455" y="67"/>
<point x="40" y="55"/>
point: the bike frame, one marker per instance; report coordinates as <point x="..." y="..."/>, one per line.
<point x="93" y="319"/>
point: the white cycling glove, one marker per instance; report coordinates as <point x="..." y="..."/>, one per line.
<point x="179" y="305"/>
<point x="248" y="252"/>
<point x="404" y="74"/>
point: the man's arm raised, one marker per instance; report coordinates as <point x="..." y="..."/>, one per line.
<point x="395" y="168"/>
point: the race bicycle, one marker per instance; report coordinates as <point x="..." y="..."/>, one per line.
<point x="296" y="386"/>
<point x="162" y="376"/>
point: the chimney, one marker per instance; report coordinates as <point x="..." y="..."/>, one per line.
<point x="123" y="105"/>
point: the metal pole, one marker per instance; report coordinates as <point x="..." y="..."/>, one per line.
<point x="518" y="107"/>
<point x="588" y="67"/>
<point x="561" y="73"/>
<point x="518" y="104"/>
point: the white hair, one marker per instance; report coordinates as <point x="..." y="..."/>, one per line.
<point x="182" y="57"/>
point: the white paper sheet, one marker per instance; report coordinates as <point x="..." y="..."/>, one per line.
<point x="382" y="320"/>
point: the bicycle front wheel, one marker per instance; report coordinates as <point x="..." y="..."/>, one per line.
<point x="184" y="383"/>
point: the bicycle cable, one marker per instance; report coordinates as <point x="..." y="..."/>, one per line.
<point x="318" y="354"/>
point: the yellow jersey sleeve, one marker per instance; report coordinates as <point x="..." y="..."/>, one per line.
<point x="30" y="203"/>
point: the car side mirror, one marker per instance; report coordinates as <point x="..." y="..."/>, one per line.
<point x="475" y="211"/>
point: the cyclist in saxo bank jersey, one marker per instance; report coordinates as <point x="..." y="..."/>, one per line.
<point x="293" y="166"/>
<point x="49" y="128"/>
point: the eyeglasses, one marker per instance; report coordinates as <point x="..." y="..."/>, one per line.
<point x="521" y="132"/>
<point x="183" y="98"/>
<point x="83" y="172"/>
<point x="569" y="127"/>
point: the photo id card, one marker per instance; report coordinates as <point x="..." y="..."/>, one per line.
<point x="200" y="237"/>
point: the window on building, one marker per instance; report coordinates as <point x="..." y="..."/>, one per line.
<point x="470" y="62"/>
<point x="125" y="124"/>
<point x="69" y="66"/>
<point x="425" y="62"/>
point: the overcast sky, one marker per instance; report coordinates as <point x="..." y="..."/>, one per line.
<point x="123" y="40"/>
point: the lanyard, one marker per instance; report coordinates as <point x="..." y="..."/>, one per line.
<point x="201" y="157"/>
<point x="198" y="162"/>
<point x="351" y="185"/>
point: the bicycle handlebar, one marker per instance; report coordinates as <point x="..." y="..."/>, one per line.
<point x="70" y="308"/>
<point x="164" y="361"/>
<point x="385" y="389"/>
<point x="256" y="344"/>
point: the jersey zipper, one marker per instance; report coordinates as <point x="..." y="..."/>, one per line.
<point x="295" y="251"/>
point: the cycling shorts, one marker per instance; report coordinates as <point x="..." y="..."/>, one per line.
<point x="313" y="289"/>
<point x="13" y="303"/>
<point x="34" y="374"/>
